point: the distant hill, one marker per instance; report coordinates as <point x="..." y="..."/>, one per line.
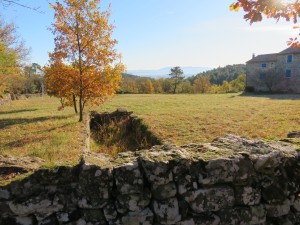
<point x="218" y="75"/>
<point x="163" y="72"/>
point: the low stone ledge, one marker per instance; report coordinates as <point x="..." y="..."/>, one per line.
<point x="255" y="182"/>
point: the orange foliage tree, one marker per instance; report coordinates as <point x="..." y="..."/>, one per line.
<point x="276" y="9"/>
<point x="202" y="84"/>
<point x="84" y="54"/>
<point x="60" y="81"/>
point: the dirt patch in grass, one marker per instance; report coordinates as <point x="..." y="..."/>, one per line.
<point x="120" y="131"/>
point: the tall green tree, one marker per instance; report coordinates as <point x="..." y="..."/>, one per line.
<point x="176" y="76"/>
<point x="13" y="54"/>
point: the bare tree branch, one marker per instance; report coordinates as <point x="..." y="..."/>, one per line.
<point x="15" y="2"/>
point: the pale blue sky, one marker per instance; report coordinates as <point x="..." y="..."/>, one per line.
<point x="158" y="33"/>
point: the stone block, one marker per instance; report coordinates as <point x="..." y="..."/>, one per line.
<point x="189" y="221"/>
<point x="110" y="212"/>
<point x="243" y="216"/>
<point x="128" y="178"/>
<point x="163" y="192"/>
<point x="94" y="216"/>
<point x="167" y="211"/>
<point x="4" y="194"/>
<point x="157" y="173"/>
<point x="95" y="186"/>
<point x="207" y="219"/>
<point x="277" y="210"/>
<point x="228" y="170"/>
<point x="211" y="199"/>
<point x="144" y="217"/>
<point x="41" y="206"/>
<point x="247" y="196"/>
<point x="135" y="202"/>
<point x="296" y="204"/>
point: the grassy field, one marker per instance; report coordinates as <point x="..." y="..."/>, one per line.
<point x="182" y="119"/>
<point x="34" y="127"/>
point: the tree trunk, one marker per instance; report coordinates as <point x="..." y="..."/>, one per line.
<point x="75" y="104"/>
<point x="80" y="108"/>
<point x="174" y="91"/>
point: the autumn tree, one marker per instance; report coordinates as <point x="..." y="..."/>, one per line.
<point x="186" y="87"/>
<point x="129" y="85"/>
<point x="83" y="40"/>
<point x="202" y="84"/>
<point x="158" y="85"/>
<point x="276" y="9"/>
<point x="149" y="87"/>
<point x="176" y="76"/>
<point x="60" y="81"/>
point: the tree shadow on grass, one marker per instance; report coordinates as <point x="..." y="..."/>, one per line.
<point x="4" y="123"/>
<point x="24" y="141"/>
<point x="17" y="111"/>
<point x="272" y="96"/>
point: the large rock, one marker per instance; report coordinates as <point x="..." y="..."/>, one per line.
<point x="41" y="206"/>
<point x="129" y="179"/>
<point x="156" y="163"/>
<point x="293" y="134"/>
<point x="247" y="196"/>
<point x="135" y="202"/>
<point x="228" y="170"/>
<point x="162" y="192"/>
<point x="144" y="217"/>
<point x="212" y="199"/>
<point x="94" y="216"/>
<point x="186" y="173"/>
<point x="243" y="216"/>
<point x="167" y="212"/>
<point x="205" y="219"/>
<point x="277" y="210"/>
<point x="95" y="186"/>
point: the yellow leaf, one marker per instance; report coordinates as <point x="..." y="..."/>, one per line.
<point x="234" y="7"/>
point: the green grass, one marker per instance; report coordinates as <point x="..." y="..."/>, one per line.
<point x="34" y="127"/>
<point x="182" y="119"/>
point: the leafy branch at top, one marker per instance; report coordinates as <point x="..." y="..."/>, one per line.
<point x="276" y="9"/>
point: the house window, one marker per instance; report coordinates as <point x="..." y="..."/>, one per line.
<point x="289" y="58"/>
<point x="263" y="65"/>
<point x="262" y="76"/>
<point x="288" y="73"/>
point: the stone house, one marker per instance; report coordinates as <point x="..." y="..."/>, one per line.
<point x="278" y="72"/>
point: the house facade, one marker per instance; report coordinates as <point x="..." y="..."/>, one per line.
<point x="278" y="72"/>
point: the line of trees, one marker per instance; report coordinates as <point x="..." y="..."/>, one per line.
<point x="229" y="82"/>
<point x="15" y="77"/>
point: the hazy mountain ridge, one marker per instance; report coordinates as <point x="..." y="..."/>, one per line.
<point x="163" y="72"/>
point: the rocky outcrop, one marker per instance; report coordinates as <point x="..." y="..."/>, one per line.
<point x="232" y="181"/>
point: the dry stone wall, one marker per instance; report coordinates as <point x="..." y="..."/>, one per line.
<point x="253" y="183"/>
